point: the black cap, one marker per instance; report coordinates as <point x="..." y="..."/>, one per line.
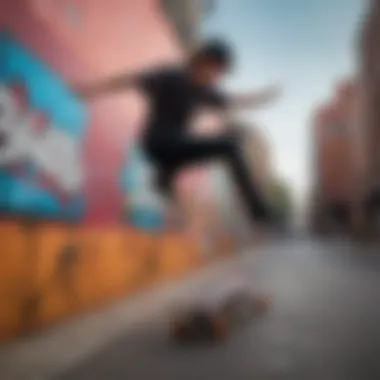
<point x="217" y="51"/>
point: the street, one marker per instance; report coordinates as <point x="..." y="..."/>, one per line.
<point x="324" y="323"/>
<point x="173" y="177"/>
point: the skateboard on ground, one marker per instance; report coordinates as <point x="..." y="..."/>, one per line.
<point x="217" y="319"/>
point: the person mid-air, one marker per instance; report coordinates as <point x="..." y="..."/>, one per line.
<point x="174" y="95"/>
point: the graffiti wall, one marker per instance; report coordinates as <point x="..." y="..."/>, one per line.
<point x="80" y="221"/>
<point x="41" y="130"/>
<point x="42" y="166"/>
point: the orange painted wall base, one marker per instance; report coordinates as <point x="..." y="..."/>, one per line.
<point x="49" y="272"/>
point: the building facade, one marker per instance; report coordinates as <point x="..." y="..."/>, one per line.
<point x="335" y="161"/>
<point x="368" y="50"/>
<point x="78" y="221"/>
<point x="364" y="119"/>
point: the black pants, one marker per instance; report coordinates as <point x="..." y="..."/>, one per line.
<point x="172" y="153"/>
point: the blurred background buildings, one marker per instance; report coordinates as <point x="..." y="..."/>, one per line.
<point x="346" y="143"/>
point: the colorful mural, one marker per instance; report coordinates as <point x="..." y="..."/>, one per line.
<point x="42" y="125"/>
<point x="42" y="169"/>
<point x="63" y="160"/>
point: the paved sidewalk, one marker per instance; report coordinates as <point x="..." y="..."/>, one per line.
<point x="324" y="324"/>
<point x="49" y="352"/>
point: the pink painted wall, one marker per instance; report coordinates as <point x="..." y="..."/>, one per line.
<point x="85" y="41"/>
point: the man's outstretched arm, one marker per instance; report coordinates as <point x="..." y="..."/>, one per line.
<point x="254" y="100"/>
<point x="147" y="81"/>
<point x="110" y="85"/>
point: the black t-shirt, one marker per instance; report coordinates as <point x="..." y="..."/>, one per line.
<point x="173" y="97"/>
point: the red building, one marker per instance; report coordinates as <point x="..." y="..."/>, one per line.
<point x="369" y="195"/>
<point x="335" y="161"/>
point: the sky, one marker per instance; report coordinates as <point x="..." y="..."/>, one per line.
<point x="306" y="46"/>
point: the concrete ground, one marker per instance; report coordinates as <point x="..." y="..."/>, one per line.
<point x="324" y="324"/>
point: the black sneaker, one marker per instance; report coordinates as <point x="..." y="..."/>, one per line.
<point x="267" y="216"/>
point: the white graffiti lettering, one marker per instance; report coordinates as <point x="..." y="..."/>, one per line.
<point x="52" y="151"/>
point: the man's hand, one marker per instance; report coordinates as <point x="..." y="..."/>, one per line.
<point x="271" y="94"/>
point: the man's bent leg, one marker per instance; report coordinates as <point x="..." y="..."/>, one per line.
<point x="185" y="150"/>
<point x="248" y="187"/>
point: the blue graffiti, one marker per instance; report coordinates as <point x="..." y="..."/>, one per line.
<point x="48" y="95"/>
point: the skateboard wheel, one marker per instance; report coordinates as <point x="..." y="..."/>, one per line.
<point x="221" y="328"/>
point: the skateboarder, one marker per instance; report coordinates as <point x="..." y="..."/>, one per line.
<point x="174" y="95"/>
